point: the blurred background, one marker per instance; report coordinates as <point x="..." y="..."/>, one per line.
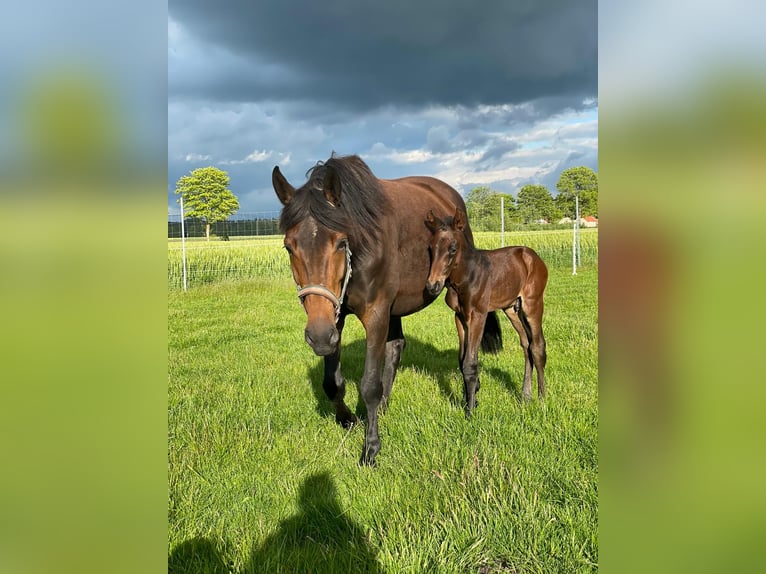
<point x="682" y="144"/>
<point x="83" y="201"/>
<point x="82" y="186"/>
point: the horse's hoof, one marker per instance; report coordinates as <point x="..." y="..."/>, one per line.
<point x="347" y="421"/>
<point x="370" y="462"/>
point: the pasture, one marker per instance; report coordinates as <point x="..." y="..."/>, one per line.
<point x="261" y="479"/>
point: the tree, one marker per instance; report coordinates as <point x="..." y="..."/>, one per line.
<point x="483" y="208"/>
<point x="534" y="202"/>
<point x="206" y="196"/>
<point x="477" y="204"/>
<point x="582" y="181"/>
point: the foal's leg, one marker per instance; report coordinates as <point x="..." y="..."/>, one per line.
<point x="533" y="316"/>
<point x="451" y="299"/>
<point x="395" y="344"/>
<point x="334" y="386"/>
<point x="371" y="385"/>
<point x="475" y="329"/>
<point x="516" y="321"/>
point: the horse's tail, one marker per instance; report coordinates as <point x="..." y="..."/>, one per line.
<point x="492" y="339"/>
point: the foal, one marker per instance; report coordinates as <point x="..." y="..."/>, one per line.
<point x="511" y="278"/>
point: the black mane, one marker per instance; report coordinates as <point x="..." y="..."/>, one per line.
<point x="358" y="211"/>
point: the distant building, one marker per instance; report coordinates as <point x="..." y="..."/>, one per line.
<point x="589" y="221"/>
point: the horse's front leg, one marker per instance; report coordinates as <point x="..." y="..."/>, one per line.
<point x="334" y="386"/>
<point x="452" y="301"/>
<point x="474" y="329"/>
<point x="371" y="385"/>
<point x="395" y="344"/>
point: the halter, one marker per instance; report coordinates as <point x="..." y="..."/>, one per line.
<point x="323" y="291"/>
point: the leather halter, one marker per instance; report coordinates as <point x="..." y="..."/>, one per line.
<point x="323" y="291"/>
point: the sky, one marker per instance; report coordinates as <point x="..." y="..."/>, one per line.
<point x="494" y="93"/>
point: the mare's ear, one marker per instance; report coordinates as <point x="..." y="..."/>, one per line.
<point x="431" y="222"/>
<point x="331" y="187"/>
<point x="459" y="220"/>
<point x="284" y="190"/>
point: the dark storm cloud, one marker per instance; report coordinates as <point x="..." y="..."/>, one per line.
<point x="363" y="55"/>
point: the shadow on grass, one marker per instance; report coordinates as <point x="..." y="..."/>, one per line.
<point x="507" y="379"/>
<point x="442" y="365"/>
<point x="320" y="537"/>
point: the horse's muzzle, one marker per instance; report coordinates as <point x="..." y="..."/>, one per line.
<point x="322" y="341"/>
<point x="434" y="288"/>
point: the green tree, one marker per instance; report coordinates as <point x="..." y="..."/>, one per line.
<point x="581" y="181"/>
<point x="206" y="196"/>
<point x="534" y="202"/>
<point x="483" y="208"/>
<point x="477" y="204"/>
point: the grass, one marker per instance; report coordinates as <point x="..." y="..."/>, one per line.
<point x="258" y="257"/>
<point x="261" y="478"/>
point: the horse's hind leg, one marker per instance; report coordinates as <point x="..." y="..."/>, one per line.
<point x="335" y="387"/>
<point x="395" y="344"/>
<point x="533" y="317"/>
<point x="513" y="314"/>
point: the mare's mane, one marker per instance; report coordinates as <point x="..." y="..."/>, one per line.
<point x="358" y="211"/>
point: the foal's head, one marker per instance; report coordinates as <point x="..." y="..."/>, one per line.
<point x="446" y="241"/>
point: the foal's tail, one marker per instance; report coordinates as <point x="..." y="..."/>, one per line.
<point x="492" y="339"/>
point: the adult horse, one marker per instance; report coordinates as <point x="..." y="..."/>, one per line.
<point x="358" y="245"/>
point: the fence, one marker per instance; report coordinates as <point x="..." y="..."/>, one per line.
<point x="240" y="225"/>
<point x="253" y="249"/>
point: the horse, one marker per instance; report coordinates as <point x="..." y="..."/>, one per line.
<point x="511" y="279"/>
<point x="357" y="245"/>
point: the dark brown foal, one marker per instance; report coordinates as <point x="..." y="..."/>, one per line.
<point x="511" y="278"/>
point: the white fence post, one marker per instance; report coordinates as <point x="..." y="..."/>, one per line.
<point x="502" y="221"/>
<point x="183" y="241"/>
<point x="574" y="249"/>
<point x="577" y="207"/>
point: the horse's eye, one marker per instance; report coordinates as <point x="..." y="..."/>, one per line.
<point x="289" y="251"/>
<point x="340" y="245"/>
<point x="452" y="248"/>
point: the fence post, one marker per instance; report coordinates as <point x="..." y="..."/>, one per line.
<point x="183" y="241"/>
<point x="502" y="221"/>
<point x="577" y="221"/>
<point x="574" y="248"/>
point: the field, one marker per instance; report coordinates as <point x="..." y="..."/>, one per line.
<point x="259" y="257"/>
<point x="261" y="479"/>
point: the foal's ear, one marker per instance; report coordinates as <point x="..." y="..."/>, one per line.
<point x="459" y="221"/>
<point x="431" y="222"/>
<point x="331" y="187"/>
<point x="284" y="190"/>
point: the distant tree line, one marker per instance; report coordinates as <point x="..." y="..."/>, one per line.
<point x="534" y="204"/>
<point x="208" y="203"/>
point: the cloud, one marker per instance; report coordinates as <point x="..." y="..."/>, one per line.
<point x="501" y="96"/>
<point x="363" y="56"/>
<point x="256" y="156"/>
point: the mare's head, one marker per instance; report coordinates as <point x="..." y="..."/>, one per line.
<point x="446" y="240"/>
<point x="336" y="212"/>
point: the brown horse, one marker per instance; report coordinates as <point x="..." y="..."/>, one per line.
<point x="511" y="278"/>
<point x="358" y="245"/>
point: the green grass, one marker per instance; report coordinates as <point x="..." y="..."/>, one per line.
<point x="259" y="257"/>
<point x="261" y="478"/>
